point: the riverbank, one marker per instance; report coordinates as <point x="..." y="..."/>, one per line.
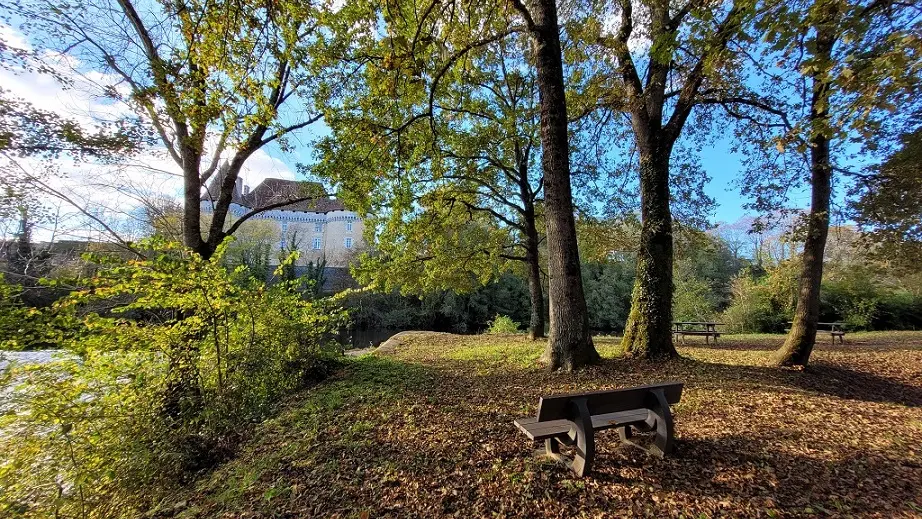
<point x="425" y="430"/>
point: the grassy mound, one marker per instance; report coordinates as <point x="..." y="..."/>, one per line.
<point x="425" y="430"/>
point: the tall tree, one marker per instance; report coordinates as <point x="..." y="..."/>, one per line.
<point x="426" y="43"/>
<point x="474" y="191"/>
<point x="684" y="48"/>
<point x="849" y="65"/>
<point x="216" y="81"/>
<point x="570" y="344"/>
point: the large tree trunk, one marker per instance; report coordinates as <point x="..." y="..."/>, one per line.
<point x="569" y="345"/>
<point x="535" y="290"/>
<point x="192" y="210"/>
<point x="799" y="344"/>
<point x="648" y="333"/>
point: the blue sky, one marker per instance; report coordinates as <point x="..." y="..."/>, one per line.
<point x="721" y="164"/>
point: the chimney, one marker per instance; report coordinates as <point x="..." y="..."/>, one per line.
<point x="246" y="190"/>
<point x="238" y="187"/>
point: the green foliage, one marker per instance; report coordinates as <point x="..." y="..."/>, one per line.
<point x="608" y="288"/>
<point x="314" y="276"/>
<point x="888" y="204"/>
<point x="703" y="272"/>
<point x="693" y="300"/>
<point x="503" y="324"/>
<point x="439" y="310"/>
<point x="159" y="385"/>
<point x="252" y="247"/>
<point x="26" y="328"/>
<point x="865" y="297"/>
<point x="763" y="304"/>
<point x="858" y="294"/>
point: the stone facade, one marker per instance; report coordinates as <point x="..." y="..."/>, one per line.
<point x="321" y="227"/>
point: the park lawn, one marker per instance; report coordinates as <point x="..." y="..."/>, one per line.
<point x="424" y="429"/>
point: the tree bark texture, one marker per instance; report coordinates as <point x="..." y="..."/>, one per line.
<point x="800" y="341"/>
<point x="535" y="290"/>
<point x="648" y="332"/>
<point x="569" y="343"/>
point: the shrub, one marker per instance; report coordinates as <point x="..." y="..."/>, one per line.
<point x="762" y="305"/>
<point x="693" y="300"/>
<point x="159" y="386"/>
<point x="503" y="324"/>
<point x="608" y="288"/>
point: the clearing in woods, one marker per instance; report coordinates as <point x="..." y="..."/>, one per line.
<point x="424" y="429"/>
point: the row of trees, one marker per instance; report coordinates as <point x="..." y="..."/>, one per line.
<point x="438" y="111"/>
<point x="798" y="80"/>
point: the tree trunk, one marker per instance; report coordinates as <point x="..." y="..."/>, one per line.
<point x="799" y="344"/>
<point x="648" y="333"/>
<point x="532" y="246"/>
<point x="535" y="290"/>
<point x="192" y="209"/>
<point x="569" y="345"/>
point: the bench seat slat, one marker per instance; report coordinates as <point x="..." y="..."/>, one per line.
<point x="609" y="420"/>
<point x="541" y="430"/>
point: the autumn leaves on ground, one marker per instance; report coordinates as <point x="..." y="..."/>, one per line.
<point x="423" y="428"/>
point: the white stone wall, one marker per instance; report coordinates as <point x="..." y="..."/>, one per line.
<point x="337" y="242"/>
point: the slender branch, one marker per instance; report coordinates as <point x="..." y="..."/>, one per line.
<point x="237" y="223"/>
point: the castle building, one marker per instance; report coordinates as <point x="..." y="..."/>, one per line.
<point x="321" y="228"/>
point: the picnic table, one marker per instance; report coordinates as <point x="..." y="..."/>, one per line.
<point x="706" y="328"/>
<point x="833" y="329"/>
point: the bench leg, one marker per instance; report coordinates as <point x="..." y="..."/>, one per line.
<point x="659" y="419"/>
<point x="585" y="440"/>
<point x="581" y="437"/>
<point x="661" y="416"/>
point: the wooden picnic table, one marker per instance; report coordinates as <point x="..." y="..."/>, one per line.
<point x="706" y="328"/>
<point x="834" y="330"/>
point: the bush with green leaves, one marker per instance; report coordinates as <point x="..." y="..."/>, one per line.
<point x="762" y="304"/>
<point x="502" y="324"/>
<point x="178" y="357"/>
<point x="26" y="328"/>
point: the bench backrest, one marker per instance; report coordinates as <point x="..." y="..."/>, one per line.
<point x="612" y="401"/>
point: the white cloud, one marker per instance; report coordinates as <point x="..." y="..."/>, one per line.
<point x="105" y="189"/>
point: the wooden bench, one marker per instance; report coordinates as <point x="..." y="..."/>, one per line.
<point x="573" y="419"/>
<point x="833" y="329"/>
<point x="704" y="328"/>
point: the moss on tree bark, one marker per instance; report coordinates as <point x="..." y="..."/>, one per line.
<point x="648" y="333"/>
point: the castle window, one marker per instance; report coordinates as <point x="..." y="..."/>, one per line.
<point x="284" y="226"/>
<point x="316" y="244"/>
<point x="318" y="227"/>
<point x="349" y="226"/>
<point x="348" y="243"/>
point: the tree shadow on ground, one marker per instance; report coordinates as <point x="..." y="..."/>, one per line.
<point x="822" y="377"/>
<point x="751" y="472"/>
<point x="399" y="438"/>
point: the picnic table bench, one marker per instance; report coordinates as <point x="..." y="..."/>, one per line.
<point x="833" y="329"/>
<point x="572" y="420"/>
<point x="705" y="328"/>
